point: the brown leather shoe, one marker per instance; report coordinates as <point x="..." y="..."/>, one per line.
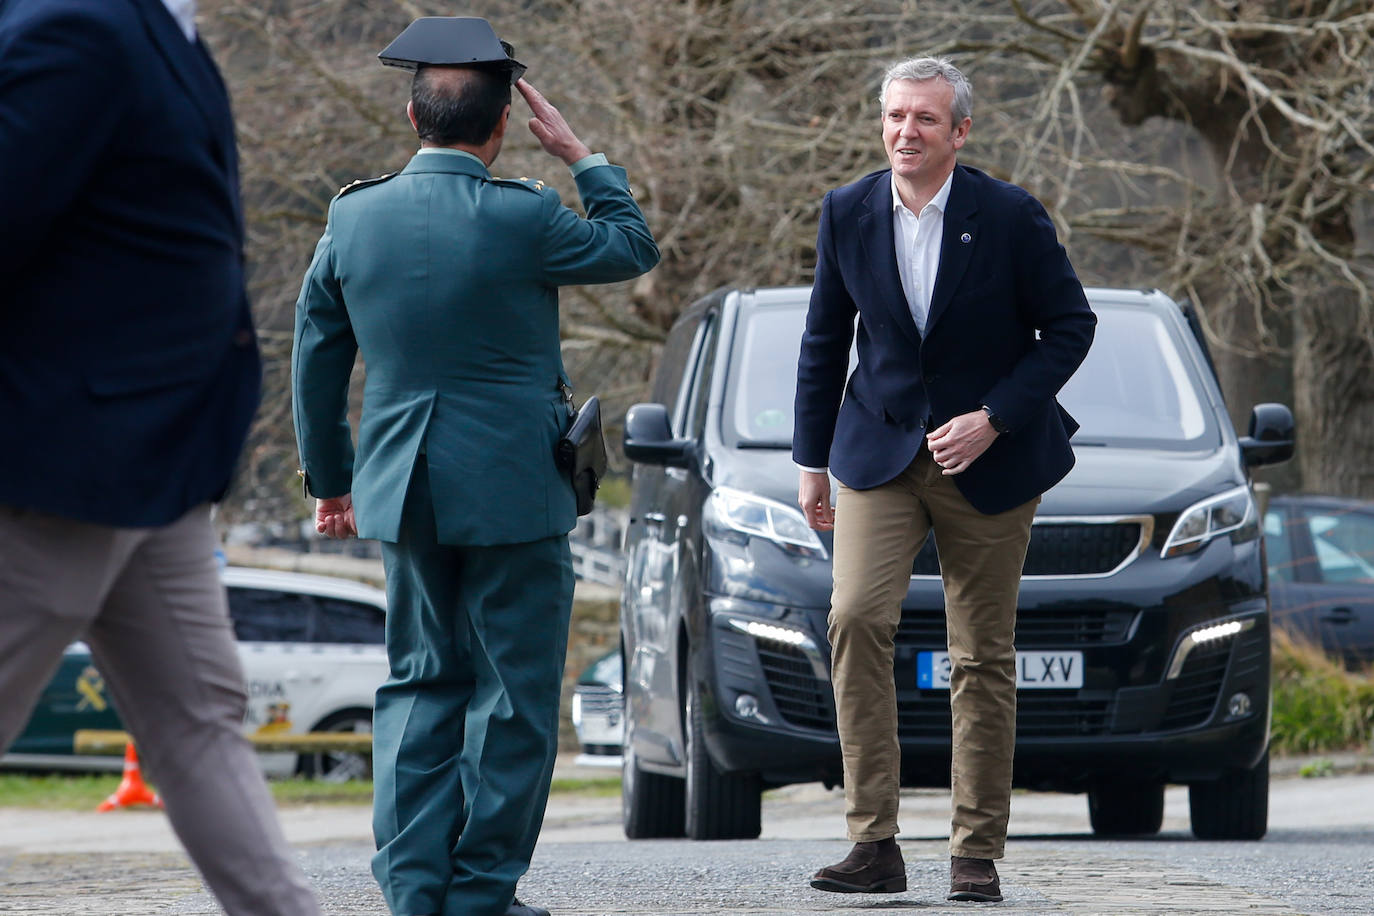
<point x="973" y="879"/>
<point x="870" y="868"/>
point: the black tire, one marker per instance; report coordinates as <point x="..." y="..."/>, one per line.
<point x="1234" y="807"/>
<point x="1126" y="809"/>
<point x="720" y="806"/>
<point x="339" y="766"/>
<point x="651" y="804"/>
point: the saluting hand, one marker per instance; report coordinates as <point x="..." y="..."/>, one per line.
<point x="958" y="443"/>
<point x="549" y="127"/>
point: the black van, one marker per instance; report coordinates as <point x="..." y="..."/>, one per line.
<point x="1143" y="627"/>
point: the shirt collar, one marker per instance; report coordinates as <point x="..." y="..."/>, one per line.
<point x="184" y="12"/>
<point x="450" y="151"/>
<point x="939" y="201"/>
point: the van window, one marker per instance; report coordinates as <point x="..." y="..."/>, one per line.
<point x="341" y="621"/>
<point x="759" y="403"/>
<point x="269" y="615"/>
<point x="673" y="360"/>
<point x="1344" y="543"/>
<point x="274" y="615"/>
<point x="695" y="423"/>
<point x="1137" y="388"/>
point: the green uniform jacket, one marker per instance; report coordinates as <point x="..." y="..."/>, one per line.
<point x="446" y="280"/>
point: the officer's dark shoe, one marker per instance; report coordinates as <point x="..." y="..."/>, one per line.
<point x="973" y="879"/>
<point x="870" y="868"/>
<point x="517" y="908"/>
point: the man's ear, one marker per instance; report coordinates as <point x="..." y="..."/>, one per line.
<point x="960" y="133"/>
<point x="500" y="129"/>
<point x="410" y="113"/>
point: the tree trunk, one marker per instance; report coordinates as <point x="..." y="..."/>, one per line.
<point x="1333" y="373"/>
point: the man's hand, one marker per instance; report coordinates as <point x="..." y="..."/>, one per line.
<point x="334" y="517"/>
<point x="813" y="493"/>
<point x="549" y="128"/>
<point x="958" y="443"/>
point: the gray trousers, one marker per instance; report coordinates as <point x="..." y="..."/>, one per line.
<point x="150" y="604"/>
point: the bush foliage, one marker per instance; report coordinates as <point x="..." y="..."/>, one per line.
<point x="1318" y="704"/>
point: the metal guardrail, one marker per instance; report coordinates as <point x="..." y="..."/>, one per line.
<point x="98" y="742"/>
<point x="597" y="564"/>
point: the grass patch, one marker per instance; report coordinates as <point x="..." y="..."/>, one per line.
<point x="56" y="791"/>
<point x="297" y="791"/>
<point x="595" y="787"/>
<point x="83" y="791"/>
<point x="1318" y="705"/>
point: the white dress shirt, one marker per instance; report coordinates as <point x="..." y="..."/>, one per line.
<point x="184" y="12"/>
<point x="917" y="239"/>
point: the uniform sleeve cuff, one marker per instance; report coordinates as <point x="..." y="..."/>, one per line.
<point x="588" y="162"/>
<point x="813" y="470"/>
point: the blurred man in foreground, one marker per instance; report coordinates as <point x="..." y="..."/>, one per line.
<point x="128" y="377"/>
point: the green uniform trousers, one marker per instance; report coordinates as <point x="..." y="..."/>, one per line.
<point x="466" y="727"/>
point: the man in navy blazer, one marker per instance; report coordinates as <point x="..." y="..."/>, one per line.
<point x="969" y="319"/>
<point x="128" y="376"/>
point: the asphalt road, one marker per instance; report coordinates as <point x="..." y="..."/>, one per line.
<point x="1317" y="859"/>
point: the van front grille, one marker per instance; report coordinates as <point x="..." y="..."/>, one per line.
<point x="1061" y="549"/>
<point x="801" y="698"/>
<point x="1053" y="629"/>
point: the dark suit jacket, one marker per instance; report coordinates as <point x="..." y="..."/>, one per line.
<point x="1003" y="277"/>
<point x="128" y="367"/>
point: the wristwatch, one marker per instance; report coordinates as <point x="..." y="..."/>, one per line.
<point x="998" y="424"/>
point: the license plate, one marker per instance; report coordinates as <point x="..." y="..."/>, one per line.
<point x="1034" y="670"/>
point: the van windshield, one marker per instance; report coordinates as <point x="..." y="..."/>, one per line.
<point x="1136" y="388"/>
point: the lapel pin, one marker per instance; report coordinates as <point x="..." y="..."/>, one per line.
<point x="965" y="238"/>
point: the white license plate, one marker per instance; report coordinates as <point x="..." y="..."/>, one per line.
<point x="1034" y="670"/>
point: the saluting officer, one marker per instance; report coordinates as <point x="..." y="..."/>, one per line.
<point x="446" y="278"/>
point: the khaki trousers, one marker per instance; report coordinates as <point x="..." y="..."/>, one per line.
<point x="877" y="535"/>
<point x="150" y="604"/>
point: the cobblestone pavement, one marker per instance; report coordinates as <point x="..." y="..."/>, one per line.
<point x="1315" y="860"/>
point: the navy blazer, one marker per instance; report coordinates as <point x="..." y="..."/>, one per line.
<point x="128" y="365"/>
<point x="1008" y="324"/>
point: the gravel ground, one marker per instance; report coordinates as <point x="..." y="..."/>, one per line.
<point x="1316" y="860"/>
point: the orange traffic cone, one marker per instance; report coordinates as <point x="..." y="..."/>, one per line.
<point x="132" y="789"/>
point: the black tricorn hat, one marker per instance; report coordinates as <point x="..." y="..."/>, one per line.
<point x="454" y="41"/>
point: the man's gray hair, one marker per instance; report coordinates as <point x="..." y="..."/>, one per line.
<point x="921" y="69"/>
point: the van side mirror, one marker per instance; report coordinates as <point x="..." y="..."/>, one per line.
<point x="649" y="438"/>
<point x="1271" y="436"/>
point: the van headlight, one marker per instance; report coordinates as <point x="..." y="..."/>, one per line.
<point x="1231" y="513"/>
<point x="735" y="515"/>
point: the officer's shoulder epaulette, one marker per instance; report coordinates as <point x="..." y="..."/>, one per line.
<point x="365" y="183"/>
<point x="529" y="184"/>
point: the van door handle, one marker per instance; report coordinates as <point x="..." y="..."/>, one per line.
<point x="1339" y="615"/>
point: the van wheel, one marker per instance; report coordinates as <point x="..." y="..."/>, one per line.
<point x="340" y="766"/>
<point x="720" y="806"/>
<point x="1126" y="809"/>
<point x="1234" y="807"/>
<point x="651" y="804"/>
